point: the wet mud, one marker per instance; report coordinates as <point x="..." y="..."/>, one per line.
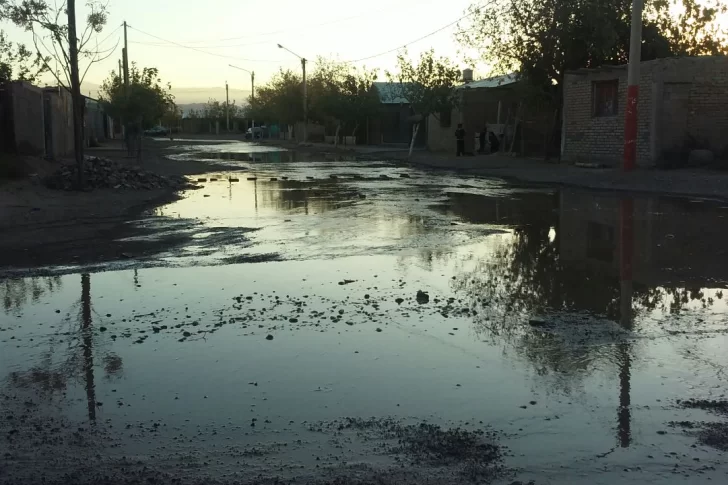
<point x="331" y="321"/>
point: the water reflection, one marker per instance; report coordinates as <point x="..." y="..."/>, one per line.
<point x="17" y="292"/>
<point x="579" y="274"/>
<point x="50" y="378"/>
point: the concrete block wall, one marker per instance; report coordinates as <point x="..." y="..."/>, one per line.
<point x="28" y="118"/>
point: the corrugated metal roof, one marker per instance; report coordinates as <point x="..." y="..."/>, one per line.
<point x="492" y="82"/>
<point x="390" y="93"/>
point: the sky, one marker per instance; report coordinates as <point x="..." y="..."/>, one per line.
<point x="245" y="33"/>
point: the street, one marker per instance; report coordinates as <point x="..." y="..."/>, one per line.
<point x="323" y="319"/>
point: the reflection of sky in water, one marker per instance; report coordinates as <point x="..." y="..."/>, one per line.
<point x="537" y="314"/>
<point x="309" y="373"/>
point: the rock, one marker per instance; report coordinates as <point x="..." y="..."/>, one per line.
<point x="533" y="403"/>
<point x="699" y="158"/>
<point x="399" y="301"/>
<point x="104" y="173"/>
<point x="535" y="322"/>
<point x="422" y="297"/>
<point x="661" y="432"/>
<point x="269" y="337"/>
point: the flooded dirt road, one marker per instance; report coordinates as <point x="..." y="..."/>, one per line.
<point x="349" y="321"/>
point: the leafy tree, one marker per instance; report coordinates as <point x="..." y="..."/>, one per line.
<point x="544" y="38"/>
<point x="281" y="99"/>
<point x="427" y="85"/>
<point x="55" y="37"/>
<point x="19" y="63"/>
<point x="147" y="103"/>
<point x="343" y="94"/>
<point x="47" y="23"/>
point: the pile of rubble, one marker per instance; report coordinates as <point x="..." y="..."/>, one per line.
<point x="102" y="173"/>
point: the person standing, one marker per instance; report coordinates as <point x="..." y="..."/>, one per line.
<point x="460" y="139"/>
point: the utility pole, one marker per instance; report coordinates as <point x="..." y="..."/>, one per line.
<point x="227" y="106"/>
<point x="120" y="69"/>
<point x="125" y="58"/>
<point x="75" y="91"/>
<point x="305" y="102"/>
<point x="252" y="86"/>
<point x="126" y="61"/>
<point x="633" y="87"/>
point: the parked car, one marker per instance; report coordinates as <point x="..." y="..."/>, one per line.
<point x="156" y="131"/>
<point x="256" y="132"/>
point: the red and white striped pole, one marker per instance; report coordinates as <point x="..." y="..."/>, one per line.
<point x="633" y="88"/>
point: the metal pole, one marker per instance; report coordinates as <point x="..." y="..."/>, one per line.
<point x="633" y="86"/>
<point x="305" y="102"/>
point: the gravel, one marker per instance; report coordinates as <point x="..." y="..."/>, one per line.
<point x="102" y="173"/>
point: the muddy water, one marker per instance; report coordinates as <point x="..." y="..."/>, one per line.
<point x="567" y="323"/>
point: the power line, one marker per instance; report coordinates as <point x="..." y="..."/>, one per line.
<point x="203" y="51"/>
<point x="283" y="31"/>
<point x="411" y="42"/>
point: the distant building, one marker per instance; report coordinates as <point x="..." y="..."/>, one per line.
<point x="486" y="102"/>
<point x="683" y="104"/>
<point x="395" y="120"/>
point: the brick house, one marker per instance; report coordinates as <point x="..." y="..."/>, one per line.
<point x="683" y="104"/>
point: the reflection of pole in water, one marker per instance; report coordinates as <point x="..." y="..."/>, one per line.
<point x="626" y="250"/>
<point x="88" y="358"/>
<point x="624" y="416"/>
<point x="255" y="189"/>
<point x="136" y="278"/>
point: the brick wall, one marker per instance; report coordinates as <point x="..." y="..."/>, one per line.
<point x="592" y="138"/>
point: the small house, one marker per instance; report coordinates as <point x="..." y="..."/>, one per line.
<point x="682" y="106"/>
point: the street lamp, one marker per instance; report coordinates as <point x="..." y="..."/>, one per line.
<point x="252" y="80"/>
<point x="252" y="91"/>
<point x="305" y="103"/>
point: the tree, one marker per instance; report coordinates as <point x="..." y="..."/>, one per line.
<point x="428" y="86"/>
<point x="47" y="24"/>
<point x="19" y="63"/>
<point x="149" y="100"/>
<point x="343" y="94"/>
<point x="541" y="39"/>
<point x="56" y="25"/>
<point x="281" y="99"/>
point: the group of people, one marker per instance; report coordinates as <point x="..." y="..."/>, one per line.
<point x="492" y="140"/>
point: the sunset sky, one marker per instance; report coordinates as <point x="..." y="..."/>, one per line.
<point x="245" y="33"/>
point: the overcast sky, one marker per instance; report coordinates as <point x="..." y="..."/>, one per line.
<point x="248" y="31"/>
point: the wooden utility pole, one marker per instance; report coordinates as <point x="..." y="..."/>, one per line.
<point x="227" y="106"/>
<point x="75" y="91"/>
<point x="125" y="63"/>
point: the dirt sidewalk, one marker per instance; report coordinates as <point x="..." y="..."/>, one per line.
<point x="41" y="226"/>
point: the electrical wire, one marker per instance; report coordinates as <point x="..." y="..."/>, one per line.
<point x="410" y="42"/>
<point x="203" y="51"/>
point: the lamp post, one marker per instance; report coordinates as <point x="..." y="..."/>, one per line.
<point x="305" y="103"/>
<point x="252" y="91"/>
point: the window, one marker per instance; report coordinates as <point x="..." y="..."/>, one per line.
<point x="604" y="96"/>
<point x="446" y="118"/>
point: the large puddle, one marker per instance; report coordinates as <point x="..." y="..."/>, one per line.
<point x="568" y="322"/>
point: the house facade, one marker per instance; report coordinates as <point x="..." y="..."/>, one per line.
<point x="395" y="120"/>
<point x="487" y="102"/>
<point x="682" y="105"/>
